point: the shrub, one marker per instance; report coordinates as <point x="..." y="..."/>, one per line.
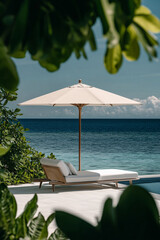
<point x="21" y="162"/>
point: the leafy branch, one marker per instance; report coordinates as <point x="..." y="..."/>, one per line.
<point x="51" y="31"/>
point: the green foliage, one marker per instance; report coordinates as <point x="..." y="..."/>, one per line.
<point x="9" y="76"/>
<point x="135" y="217"/>
<point x="59" y="28"/>
<point x="57" y="235"/>
<point x="125" y="24"/>
<point x="113" y="58"/>
<point x="80" y="229"/>
<point x="19" y="163"/>
<point x="25" y="226"/>
<point x="3" y="150"/>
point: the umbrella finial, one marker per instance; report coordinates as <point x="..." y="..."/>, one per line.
<point x="80" y="80"/>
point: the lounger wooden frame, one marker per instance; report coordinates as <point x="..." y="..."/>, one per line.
<point x="55" y="177"/>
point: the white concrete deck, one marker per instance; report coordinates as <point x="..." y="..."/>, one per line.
<point x="85" y="200"/>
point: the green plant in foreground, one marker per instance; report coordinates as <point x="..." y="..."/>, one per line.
<point x="57" y="29"/>
<point x="26" y="226"/>
<point x="135" y="217"/>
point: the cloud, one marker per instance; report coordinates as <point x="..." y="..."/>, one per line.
<point x="149" y="108"/>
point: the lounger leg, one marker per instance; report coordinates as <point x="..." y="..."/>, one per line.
<point x="53" y="187"/>
<point x="40" y="184"/>
<point x="116" y="184"/>
<point x="130" y="182"/>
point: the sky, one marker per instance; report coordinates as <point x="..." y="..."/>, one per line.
<point x="139" y="80"/>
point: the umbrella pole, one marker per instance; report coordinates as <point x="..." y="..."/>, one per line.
<point x="80" y="109"/>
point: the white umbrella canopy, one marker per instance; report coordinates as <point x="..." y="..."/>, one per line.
<point x="79" y="95"/>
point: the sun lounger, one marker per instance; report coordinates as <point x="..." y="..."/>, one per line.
<point x="61" y="173"/>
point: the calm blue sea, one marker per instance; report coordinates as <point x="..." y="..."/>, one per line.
<point x="132" y="144"/>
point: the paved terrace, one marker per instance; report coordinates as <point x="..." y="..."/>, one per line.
<point x="84" y="200"/>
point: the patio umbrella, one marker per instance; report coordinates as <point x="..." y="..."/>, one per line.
<point x="80" y="95"/>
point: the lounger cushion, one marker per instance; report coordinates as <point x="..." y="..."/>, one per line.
<point x="72" y="168"/>
<point x="100" y="175"/>
<point x="56" y="163"/>
<point x="70" y="173"/>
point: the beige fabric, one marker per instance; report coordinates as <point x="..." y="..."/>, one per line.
<point x="101" y="174"/>
<point x="80" y="94"/>
<point x="71" y="168"/>
<point x="67" y="163"/>
<point x="57" y="163"/>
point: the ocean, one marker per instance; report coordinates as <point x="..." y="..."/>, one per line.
<point x="131" y="144"/>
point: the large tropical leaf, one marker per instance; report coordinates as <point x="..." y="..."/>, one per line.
<point x="30" y="208"/>
<point x="137" y="215"/>
<point x="19" y="28"/>
<point x="131" y="49"/>
<point x="92" y="40"/>
<point x="148" y="41"/>
<point x="142" y="10"/>
<point x="50" y="219"/>
<point x="102" y="15"/>
<point x="8" y="73"/>
<point x="113" y="58"/>
<point x="74" y="227"/>
<point x="21" y="230"/>
<point x="109" y="13"/>
<point x="107" y="224"/>
<point x="38" y="228"/>
<point x="25" y="217"/>
<point x="8" y="210"/>
<point x="148" y="22"/>
<point x="57" y="235"/>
